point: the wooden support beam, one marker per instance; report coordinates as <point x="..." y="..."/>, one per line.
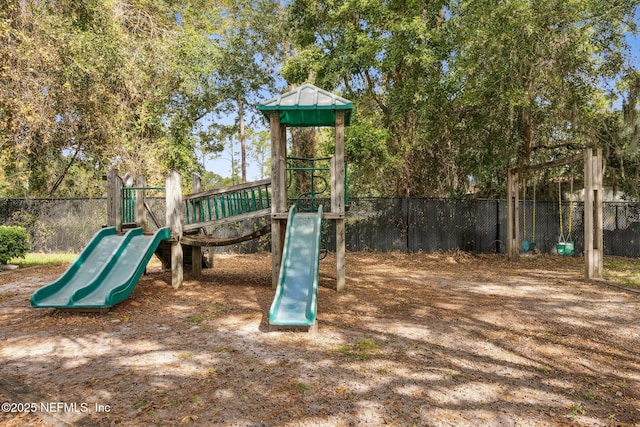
<point x="598" y="228"/>
<point x="552" y="164"/>
<point x="196" y="251"/>
<point x="325" y="215"/>
<point x="114" y="199"/>
<point x="140" y="199"/>
<point x="208" y="241"/>
<point x="337" y="200"/>
<point x="513" y="215"/>
<point x="278" y="193"/>
<point x="174" y="220"/>
<point x="593" y="220"/>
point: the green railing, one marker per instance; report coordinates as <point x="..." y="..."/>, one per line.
<point x="227" y="202"/>
<point x="129" y="202"/>
<point x="306" y="200"/>
<point x="318" y="184"/>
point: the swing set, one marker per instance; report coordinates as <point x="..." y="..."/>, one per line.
<point x="529" y="245"/>
<point x="565" y="245"/>
<point x="593" y="220"/>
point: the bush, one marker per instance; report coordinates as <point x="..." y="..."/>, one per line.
<point x="14" y="243"/>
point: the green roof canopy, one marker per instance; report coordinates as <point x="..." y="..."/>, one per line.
<point x="308" y="105"/>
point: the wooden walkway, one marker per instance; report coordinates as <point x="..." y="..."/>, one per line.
<point x="227" y="204"/>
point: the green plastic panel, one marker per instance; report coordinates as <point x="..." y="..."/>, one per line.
<point x="296" y="299"/>
<point x="307" y="106"/>
<point x="105" y="273"/>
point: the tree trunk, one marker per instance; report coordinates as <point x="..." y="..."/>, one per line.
<point x="304" y="146"/>
<point x="243" y="141"/>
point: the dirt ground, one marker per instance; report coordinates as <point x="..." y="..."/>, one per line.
<point x="415" y="340"/>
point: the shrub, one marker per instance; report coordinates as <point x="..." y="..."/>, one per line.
<point x="14" y="243"/>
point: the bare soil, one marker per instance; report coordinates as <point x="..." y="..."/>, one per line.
<point x="414" y="340"/>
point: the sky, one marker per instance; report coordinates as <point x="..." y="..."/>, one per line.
<point x="221" y="163"/>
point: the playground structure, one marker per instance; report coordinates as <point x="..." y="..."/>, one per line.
<point x="306" y="106"/>
<point x="112" y="263"/>
<point x="593" y="218"/>
<point x="104" y="274"/>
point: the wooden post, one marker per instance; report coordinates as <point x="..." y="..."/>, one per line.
<point x="598" y="214"/>
<point x="593" y="220"/>
<point x="278" y="193"/>
<point x="337" y="200"/>
<point x="196" y="251"/>
<point x="513" y="215"/>
<point x="174" y="220"/>
<point x="140" y="213"/>
<point x="114" y="200"/>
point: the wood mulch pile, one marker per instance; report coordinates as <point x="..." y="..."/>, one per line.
<point x="415" y="339"/>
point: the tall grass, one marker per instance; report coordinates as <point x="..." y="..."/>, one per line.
<point x="623" y="271"/>
<point x="38" y="259"/>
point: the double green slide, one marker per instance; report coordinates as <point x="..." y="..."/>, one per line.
<point x="110" y="266"/>
<point x="296" y="299"/>
<point x="105" y="273"/>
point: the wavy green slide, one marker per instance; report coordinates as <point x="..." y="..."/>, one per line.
<point x="105" y="273"/>
<point x="295" y="302"/>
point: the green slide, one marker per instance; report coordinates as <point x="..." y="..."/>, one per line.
<point x="105" y="273"/>
<point x="295" y="302"/>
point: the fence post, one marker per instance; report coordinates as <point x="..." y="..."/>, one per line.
<point x="513" y="215"/>
<point x="497" y="239"/>
<point x="406" y="206"/>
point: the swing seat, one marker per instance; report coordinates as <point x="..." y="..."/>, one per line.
<point x="569" y="248"/>
<point x="565" y="248"/>
<point x="528" y="246"/>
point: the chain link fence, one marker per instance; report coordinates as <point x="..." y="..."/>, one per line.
<point x="372" y="224"/>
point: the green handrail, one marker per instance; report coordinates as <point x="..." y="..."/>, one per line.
<point x="128" y="196"/>
<point x="313" y="192"/>
<point x="218" y="204"/>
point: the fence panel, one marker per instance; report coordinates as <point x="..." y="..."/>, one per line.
<point x="379" y="224"/>
<point x="56" y="225"/>
<point x="621" y="229"/>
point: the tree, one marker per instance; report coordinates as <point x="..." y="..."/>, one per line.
<point x="618" y="133"/>
<point x="95" y="84"/>
<point x="461" y="88"/>
<point x="248" y="59"/>
<point x="387" y="59"/>
<point x="528" y="77"/>
<point x="260" y="152"/>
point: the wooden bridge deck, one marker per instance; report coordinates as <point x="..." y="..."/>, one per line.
<point x="227" y="204"/>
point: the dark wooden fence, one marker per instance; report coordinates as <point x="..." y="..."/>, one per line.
<point x="372" y="224"/>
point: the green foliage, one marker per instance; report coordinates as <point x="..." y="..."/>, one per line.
<point x="449" y="90"/>
<point x="444" y="91"/>
<point x="39" y="259"/>
<point x="125" y="86"/>
<point x="623" y="271"/>
<point x="300" y="387"/>
<point x="362" y="349"/>
<point x="14" y="243"/>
